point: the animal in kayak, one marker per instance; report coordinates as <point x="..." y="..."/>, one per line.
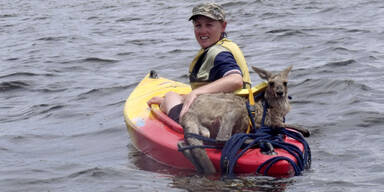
<point x="220" y="115"/>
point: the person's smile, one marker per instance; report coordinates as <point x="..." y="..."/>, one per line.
<point x="208" y="31"/>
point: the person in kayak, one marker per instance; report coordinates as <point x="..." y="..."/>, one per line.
<point x="219" y="66"/>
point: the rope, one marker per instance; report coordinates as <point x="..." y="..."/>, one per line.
<point x="251" y="117"/>
<point x="235" y="148"/>
<point x="274" y="160"/>
<point x="214" y="144"/>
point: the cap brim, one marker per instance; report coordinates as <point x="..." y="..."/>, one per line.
<point x="205" y="15"/>
<point x="192" y="17"/>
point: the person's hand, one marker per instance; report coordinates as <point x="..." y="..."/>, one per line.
<point x="188" y="100"/>
<point x="155" y="100"/>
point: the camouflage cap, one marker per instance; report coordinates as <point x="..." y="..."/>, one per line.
<point x="211" y="10"/>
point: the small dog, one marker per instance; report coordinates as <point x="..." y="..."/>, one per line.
<point x="222" y="114"/>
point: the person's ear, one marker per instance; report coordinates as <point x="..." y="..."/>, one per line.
<point x="224" y="25"/>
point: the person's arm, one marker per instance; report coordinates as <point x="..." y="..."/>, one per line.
<point x="226" y="84"/>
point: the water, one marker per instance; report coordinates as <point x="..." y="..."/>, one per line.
<point x="68" y="66"/>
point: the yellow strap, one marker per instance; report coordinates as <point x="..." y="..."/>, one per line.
<point x="256" y="89"/>
<point x="249" y="127"/>
<point x="250" y="96"/>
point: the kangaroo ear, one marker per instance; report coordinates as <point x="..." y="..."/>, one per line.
<point x="286" y="71"/>
<point x="262" y="73"/>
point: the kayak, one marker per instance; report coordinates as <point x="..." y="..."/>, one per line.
<point x="156" y="135"/>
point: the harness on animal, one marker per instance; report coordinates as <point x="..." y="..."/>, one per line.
<point x="251" y="109"/>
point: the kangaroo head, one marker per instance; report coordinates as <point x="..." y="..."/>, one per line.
<point x="277" y="83"/>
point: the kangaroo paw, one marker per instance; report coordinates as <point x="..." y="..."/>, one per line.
<point x="187" y="153"/>
<point x="302" y="130"/>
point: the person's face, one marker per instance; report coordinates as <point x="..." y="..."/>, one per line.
<point x="207" y="30"/>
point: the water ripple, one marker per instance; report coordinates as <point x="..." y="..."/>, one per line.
<point x="13" y="85"/>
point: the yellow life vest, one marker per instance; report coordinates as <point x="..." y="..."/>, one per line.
<point x="209" y="55"/>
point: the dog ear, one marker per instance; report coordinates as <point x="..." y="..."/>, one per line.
<point x="262" y="73"/>
<point x="286" y="71"/>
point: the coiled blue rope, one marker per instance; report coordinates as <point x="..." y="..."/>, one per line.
<point x="235" y="148"/>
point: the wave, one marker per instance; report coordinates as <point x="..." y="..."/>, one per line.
<point x="102" y="92"/>
<point x="332" y="84"/>
<point x="98" y="59"/>
<point x="99" y="132"/>
<point x="177" y="51"/>
<point x="337" y="96"/>
<point x="141" y="42"/>
<point x="8" y="15"/>
<point x="282" y="33"/>
<point x="13" y="85"/>
<point x="52" y="38"/>
<point x="46" y="108"/>
<point x="28" y="137"/>
<point x="26" y="74"/>
<point x="128" y="19"/>
<point x="236" y="4"/>
<point x="19" y="74"/>
<point x="344" y="63"/>
<point x="93" y="172"/>
<point x="86" y="60"/>
<point x="24" y="112"/>
<point x="125" y="53"/>
<point x="370" y="119"/>
<point x="12" y="59"/>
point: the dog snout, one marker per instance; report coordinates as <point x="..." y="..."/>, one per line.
<point x="280" y="93"/>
